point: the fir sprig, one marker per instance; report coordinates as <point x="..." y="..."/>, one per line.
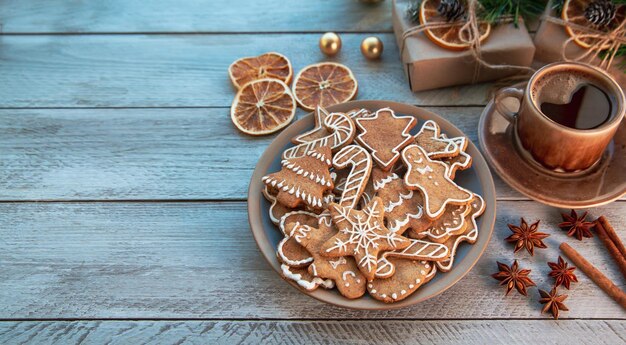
<point x="492" y="10"/>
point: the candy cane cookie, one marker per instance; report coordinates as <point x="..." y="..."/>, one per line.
<point x="361" y="162"/>
<point x="342" y="131"/>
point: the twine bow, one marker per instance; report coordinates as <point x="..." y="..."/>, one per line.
<point x="469" y="34"/>
<point x="604" y="41"/>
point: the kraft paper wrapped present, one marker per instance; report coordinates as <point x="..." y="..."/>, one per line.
<point x="429" y="66"/>
<point x="549" y="41"/>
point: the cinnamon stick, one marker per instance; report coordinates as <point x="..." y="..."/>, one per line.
<point x="594" y="274"/>
<point x="602" y="232"/>
<point x="612" y="235"/>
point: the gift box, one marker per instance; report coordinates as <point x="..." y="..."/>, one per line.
<point x="429" y="66"/>
<point x="549" y="41"/>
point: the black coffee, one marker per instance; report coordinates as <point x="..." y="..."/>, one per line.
<point x="589" y="107"/>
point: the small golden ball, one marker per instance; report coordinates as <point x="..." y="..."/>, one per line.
<point x="330" y="43"/>
<point x="372" y="47"/>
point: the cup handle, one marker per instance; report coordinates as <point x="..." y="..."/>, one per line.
<point x="505" y="93"/>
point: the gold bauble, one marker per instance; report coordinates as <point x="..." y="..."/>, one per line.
<point x="372" y="47"/>
<point x="330" y="43"/>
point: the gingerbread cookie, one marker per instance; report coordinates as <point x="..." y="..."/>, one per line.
<point x="408" y="277"/>
<point x="452" y="222"/>
<point x="320" y="131"/>
<point x="361" y="163"/>
<point x="277" y="210"/>
<point x="431" y="179"/>
<point x="341" y="131"/>
<point x="289" y="251"/>
<point x="429" y="138"/>
<point x="303" y="180"/>
<point x="403" y="207"/>
<point x="384" y="135"/>
<point x="462" y="161"/>
<point x="470" y="234"/>
<point x="342" y="270"/>
<point x="362" y="235"/>
<point x="304" y="279"/>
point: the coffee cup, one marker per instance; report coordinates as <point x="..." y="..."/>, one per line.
<point x="568" y="114"/>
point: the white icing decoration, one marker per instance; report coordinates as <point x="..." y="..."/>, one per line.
<point x="364" y="233"/>
<point x="409" y="155"/>
<point x="361" y="163"/>
<point x="345" y="275"/>
<point x="287" y="260"/>
<point x="395" y="150"/>
<point x="341" y="129"/>
<point x="340" y="261"/>
<point x="307" y="285"/>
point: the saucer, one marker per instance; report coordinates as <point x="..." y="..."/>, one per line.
<point x="598" y="185"/>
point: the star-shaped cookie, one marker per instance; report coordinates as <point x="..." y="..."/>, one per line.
<point x="362" y="235"/>
<point x="384" y="135"/>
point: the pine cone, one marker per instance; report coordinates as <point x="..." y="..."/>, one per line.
<point x="600" y="12"/>
<point x="453" y="10"/>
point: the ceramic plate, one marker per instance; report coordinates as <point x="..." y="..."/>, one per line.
<point x="477" y="179"/>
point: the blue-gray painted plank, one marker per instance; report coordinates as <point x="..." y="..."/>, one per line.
<point x="182" y="70"/>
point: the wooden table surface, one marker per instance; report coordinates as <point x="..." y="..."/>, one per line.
<point x="123" y="186"/>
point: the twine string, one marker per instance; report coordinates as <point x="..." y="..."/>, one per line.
<point x="469" y="34"/>
<point x="609" y="41"/>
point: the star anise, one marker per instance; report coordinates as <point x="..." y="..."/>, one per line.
<point x="553" y="302"/>
<point x="576" y="226"/>
<point x="526" y="236"/>
<point x="513" y="277"/>
<point x="562" y="273"/>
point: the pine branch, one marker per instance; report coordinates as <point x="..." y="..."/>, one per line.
<point x="492" y="10"/>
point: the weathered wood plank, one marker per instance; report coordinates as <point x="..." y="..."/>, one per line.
<point x="199" y="260"/>
<point x="140" y="154"/>
<point x="181" y="70"/>
<point x="207" y="16"/>
<point x="513" y="332"/>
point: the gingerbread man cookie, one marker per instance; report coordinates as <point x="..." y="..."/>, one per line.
<point x="384" y="135"/>
<point x="362" y="235"/>
<point x="431" y="179"/>
<point x="303" y="180"/>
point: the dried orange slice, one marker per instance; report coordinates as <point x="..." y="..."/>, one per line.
<point x="324" y="84"/>
<point x="574" y="12"/>
<point x="263" y="106"/>
<point x="268" y="65"/>
<point x="447" y="37"/>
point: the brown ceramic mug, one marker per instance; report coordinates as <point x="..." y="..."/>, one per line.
<point x="556" y="146"/>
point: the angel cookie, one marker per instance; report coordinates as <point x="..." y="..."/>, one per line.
<point x="303" y="180"/>
<point x="384" y="135"/>
<point x="431" y="179"/>
<point x="362" y="235"/>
